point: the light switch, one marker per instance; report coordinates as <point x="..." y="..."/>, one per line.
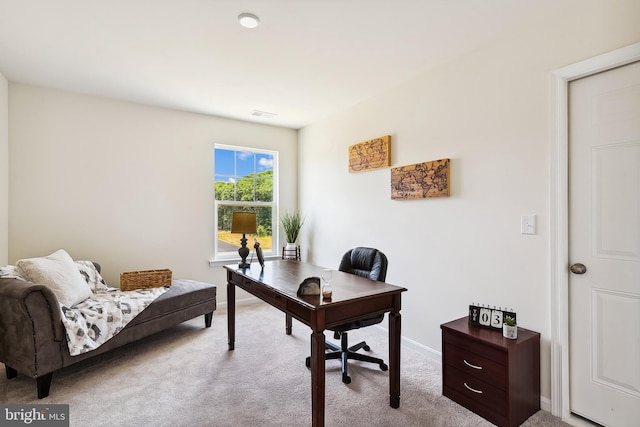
<point x="528" y="224"/>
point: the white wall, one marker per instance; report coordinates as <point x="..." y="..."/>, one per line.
<point x="127" y="185"/>
<point x="4" y="170"/>
<point x="489" y="112"/>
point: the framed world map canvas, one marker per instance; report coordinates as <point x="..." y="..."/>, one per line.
<point x="374" y="154"/>
<point x="422" y="180"/>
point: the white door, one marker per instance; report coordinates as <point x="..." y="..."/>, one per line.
<point x="604" y="236"/>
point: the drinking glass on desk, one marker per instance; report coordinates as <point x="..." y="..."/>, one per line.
<point x="327" y="291"/>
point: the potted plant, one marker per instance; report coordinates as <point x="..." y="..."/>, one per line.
<point x="510" y="328"/>
<point x="291" y="223"/>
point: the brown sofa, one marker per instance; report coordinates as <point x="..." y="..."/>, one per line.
<point x="33" y="339"/>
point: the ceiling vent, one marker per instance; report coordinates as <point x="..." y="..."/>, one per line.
<point x="263" y="114"/>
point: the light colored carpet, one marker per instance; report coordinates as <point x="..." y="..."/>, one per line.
<point x="185" y="376"/>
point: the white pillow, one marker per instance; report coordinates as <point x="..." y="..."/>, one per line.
<point x="58" y="272"/>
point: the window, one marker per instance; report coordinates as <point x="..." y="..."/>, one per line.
<point x="244" y="180"/>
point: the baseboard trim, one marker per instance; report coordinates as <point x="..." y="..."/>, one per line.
<point x="432" y="354"/>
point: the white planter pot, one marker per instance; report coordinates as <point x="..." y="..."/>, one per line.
<point x="510" y="332"/>
<point x="290" y="251"/>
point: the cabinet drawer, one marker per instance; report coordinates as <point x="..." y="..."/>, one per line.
<point x="473" y="389"/>
<point x="476" y="347"/>
<point x="262" y="292"/>
<point x="476" y="365"/>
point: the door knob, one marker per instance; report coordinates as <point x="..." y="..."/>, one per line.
<point x="578" y="268"/>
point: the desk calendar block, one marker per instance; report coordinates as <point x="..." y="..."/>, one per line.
<point x="489" y="317"/>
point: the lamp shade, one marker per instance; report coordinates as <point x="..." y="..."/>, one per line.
<point x="244" y="222"/>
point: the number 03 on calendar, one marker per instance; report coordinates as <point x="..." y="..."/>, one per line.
<point x="488" y="317"/>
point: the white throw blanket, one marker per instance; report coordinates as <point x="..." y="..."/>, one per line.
<point x="100" y="317"/>
<point x="95" y="320"/>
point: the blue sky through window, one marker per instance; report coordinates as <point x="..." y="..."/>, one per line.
<point x="231" y="165"/>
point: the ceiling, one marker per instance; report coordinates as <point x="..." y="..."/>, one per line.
<point x="306" y="60"/>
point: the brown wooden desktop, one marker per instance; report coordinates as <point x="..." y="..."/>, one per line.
<point x="353" y="297"/>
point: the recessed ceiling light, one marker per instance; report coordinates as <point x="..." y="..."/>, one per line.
<point x="248" y="20"/>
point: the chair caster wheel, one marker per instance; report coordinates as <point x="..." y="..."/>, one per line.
<point x="346" y="379"/>
<point x="308" y="362"/>
<point x="383" y="367"/>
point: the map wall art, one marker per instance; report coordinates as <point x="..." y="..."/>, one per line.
<point x="422" y="180"/>
<point x="374" y="154"/>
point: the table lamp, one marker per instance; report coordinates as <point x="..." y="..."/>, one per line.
<point x="245" y="223"/>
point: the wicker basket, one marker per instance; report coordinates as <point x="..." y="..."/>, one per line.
<point x="131" y="280"/>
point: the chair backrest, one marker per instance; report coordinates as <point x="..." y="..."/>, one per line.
<point x="365" y="262"/>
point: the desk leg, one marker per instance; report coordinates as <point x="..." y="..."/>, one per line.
<point x="288" y="323"/>
<point x="317" y="379"/>
<point x="394" y="359"/>
<point x="231" y="314"/>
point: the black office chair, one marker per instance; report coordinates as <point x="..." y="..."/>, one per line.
<point x="372" y="264"/>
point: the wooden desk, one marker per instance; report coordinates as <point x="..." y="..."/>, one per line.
<point x="353" y="297"/>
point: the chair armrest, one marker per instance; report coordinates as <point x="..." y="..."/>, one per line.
<point x="31" y="330"/>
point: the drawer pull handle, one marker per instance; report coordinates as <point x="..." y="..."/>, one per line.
<point x="473" y="389"/>
<point x="470" y="365"/>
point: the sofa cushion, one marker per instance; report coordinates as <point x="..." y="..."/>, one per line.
<point x="181" y="296"/>
<point x="59" y="273"/>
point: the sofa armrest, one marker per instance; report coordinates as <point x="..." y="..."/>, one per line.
<point x="31" y="330"/>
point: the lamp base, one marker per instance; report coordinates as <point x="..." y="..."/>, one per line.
<point x="243" y="252"/>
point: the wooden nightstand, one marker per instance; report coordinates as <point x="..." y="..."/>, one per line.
<point x="495" y="377"/>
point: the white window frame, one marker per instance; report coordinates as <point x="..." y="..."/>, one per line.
<point x="274" y="204"/>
